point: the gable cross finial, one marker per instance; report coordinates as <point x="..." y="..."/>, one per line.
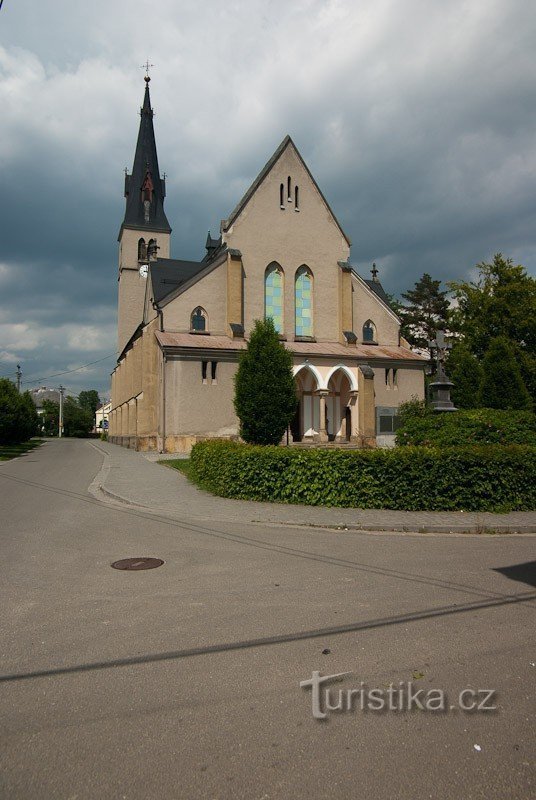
<point x="374" y="271"/>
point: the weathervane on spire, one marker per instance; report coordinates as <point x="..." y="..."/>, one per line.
<point x="147" y="66"/>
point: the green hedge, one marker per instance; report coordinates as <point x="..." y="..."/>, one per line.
<point x="492" y="478"/>
<point x="479" y="426"/>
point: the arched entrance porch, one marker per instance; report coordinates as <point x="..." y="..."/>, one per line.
<point x="340" y="405"/>
<point x="305" y="427"/>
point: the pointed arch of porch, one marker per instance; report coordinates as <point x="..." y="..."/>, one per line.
<point x="348" y="372"/>
<point x="314" y="372"/>
<point x="306" y="425"/>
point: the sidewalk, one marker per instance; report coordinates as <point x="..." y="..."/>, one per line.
<point x="127" y="476"/>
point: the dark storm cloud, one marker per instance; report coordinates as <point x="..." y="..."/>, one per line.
<point x="417" y="120"/>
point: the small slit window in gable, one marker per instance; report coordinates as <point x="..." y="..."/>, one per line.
<point x="204" y="365"/>
<point x="289" y="189"/>
<point x="282" y="196"/>
<point x="213" y="367"/>
<point x="296" y="198"/>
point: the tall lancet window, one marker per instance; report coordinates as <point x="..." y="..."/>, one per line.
<point x="273" y="295"/>
<point x="304" y="302"/>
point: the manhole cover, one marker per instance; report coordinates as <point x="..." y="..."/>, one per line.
<point x="137" y="563"/>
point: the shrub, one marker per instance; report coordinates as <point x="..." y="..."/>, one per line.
<point x="412" y="409"/>
<point x="476" y="426"/>
<point x="473" y="478"/>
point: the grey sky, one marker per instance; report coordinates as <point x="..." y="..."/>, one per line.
<point x="417" y="120"/>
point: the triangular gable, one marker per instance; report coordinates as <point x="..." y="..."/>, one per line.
<point x="372" y="291"/>
<point x="226" y="223"/>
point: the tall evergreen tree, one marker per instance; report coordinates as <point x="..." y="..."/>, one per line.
<point x="502" y="384"/>
<point x="465" y="371"/>
<point x="265" y="390"/>
<point x="425" y="312"/>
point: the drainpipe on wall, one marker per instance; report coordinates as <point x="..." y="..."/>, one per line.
<point x="163" y="406"/>
<point x="162" y="425"/>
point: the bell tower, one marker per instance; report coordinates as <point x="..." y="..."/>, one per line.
<point x="145" y="231"/>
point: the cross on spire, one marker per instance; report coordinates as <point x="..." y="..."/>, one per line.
<point x="374" y="272"/>
<point x="147" y="66"/>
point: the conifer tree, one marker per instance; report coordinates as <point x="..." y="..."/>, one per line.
<point x="265" y="390"/>
<point x="426" y="312"/>
<point x="502" y="385"/>
<point x="465" y="371"/>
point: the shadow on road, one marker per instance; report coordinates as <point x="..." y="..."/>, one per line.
<point x="525" y="573"/>
<point x="151" y="658"/>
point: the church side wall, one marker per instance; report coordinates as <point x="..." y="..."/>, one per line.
<point x="135" y="394"/>
<point x="197" y="409"/>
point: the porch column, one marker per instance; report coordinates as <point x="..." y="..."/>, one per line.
<point x="322" y="432"/>
<point x="352" y="405"/>
<point x="366" y="407"/>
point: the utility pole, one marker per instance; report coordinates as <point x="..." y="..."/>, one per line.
<point x="61" y="390"/>
<point x="19" y="376"/>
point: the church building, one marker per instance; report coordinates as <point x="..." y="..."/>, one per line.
<point x="281" y="253"/>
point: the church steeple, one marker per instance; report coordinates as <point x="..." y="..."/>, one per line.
<point x="145" y="190"/>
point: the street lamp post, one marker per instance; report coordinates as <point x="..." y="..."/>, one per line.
<point x="61" y="390"/>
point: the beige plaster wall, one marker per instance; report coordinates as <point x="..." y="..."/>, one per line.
<point x="410" y="383"/>
<point x="366" y="306"/>
<point x="264" y="234"/>
<point x="136" y="378"/>
<point x="194" y="408"/>
<point x="208" y="292"/>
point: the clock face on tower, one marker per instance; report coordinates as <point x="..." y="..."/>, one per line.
<point x="144" y="270"/>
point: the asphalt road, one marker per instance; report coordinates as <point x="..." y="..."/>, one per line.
<point x="183" y="681"/>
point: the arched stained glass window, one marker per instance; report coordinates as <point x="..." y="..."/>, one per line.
<point x="304" y="302"/>
<point x="369" y="331"/>
<point x="273" y="296"/>
<point x="199" y="319"/>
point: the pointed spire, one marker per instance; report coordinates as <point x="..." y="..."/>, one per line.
<point x="144" y="188"/>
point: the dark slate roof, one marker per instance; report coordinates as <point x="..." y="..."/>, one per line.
<point x="168" y="274"/>
<point x="226" y="223"/>
<point x="378" y="290"/>
<point x="213" y="247"/>
<point x="145" y="161"/>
